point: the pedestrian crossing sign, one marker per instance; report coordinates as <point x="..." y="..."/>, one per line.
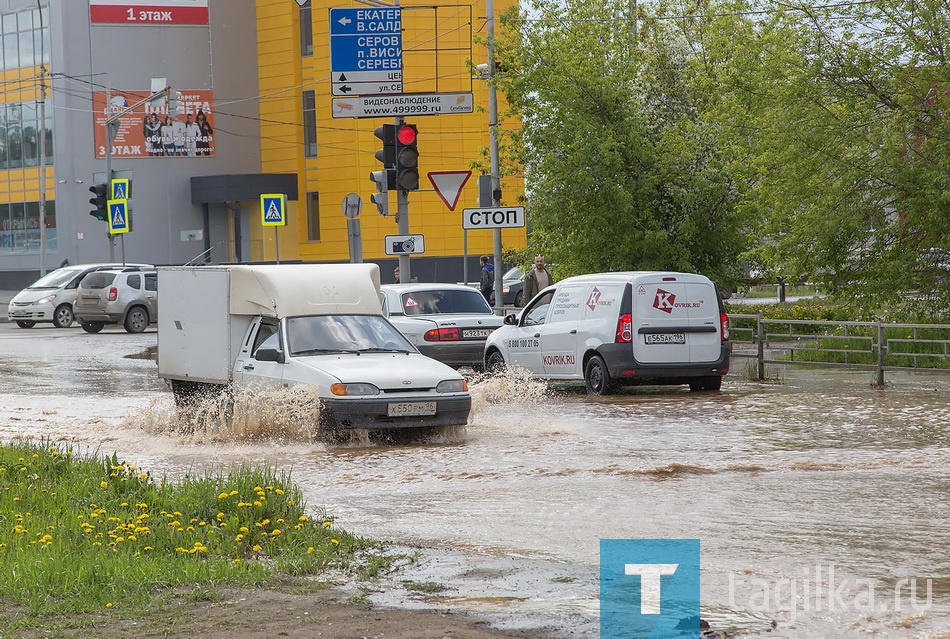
<point x="274" y="209"/>
<point x="119" y="190"/>
<point x="118" y="216"/>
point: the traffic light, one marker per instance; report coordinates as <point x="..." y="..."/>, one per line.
<point x="381" y="197"/>
<point x="101" y="192"/>
<point x="387" y="154"/>
<point x="407" y="157"/>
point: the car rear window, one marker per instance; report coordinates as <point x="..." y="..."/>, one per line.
<point x="440" y="302"/>
<point x="97" y="280"/>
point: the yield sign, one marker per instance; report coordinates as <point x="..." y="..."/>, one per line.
<point x="448" y="184"/>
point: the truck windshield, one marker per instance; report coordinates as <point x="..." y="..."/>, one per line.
<point x="343" y="333"/>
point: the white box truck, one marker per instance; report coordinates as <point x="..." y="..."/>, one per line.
<point x="281" y="326"/>
<point x="612" y="329"/>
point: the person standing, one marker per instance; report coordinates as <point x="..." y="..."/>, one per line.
<point x="205" y="133"/>
<point x="192" y="133"/>
<point x="487" y="282"/>
<point x="537" y="279"/>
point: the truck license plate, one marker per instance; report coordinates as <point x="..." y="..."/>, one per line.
<point x="411" y="409"/>
<point x="477" y="332"/>
<point x="665" y="338"/>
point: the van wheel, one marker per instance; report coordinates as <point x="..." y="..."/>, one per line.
<point x="713" y="382"/>
<point x="136" y="321"/>
<point x="92" y="327"/>
<point x="597" y="377"/>
<point x="63" y="316"/>
<point x="24" y="324"/>
<point x="495" y="363"/>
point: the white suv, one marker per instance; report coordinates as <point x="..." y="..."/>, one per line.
<point x="612" y="329"/>
<point x="120" y="296"/>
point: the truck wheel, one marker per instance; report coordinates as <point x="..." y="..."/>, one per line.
<point x="136" y="320"/>
<point x="495" y="363"/>
<point x="25" y="324"/>
<point x="597" y="377"/>
<point x="63" y="316"/>
<point x="92" y="327"/>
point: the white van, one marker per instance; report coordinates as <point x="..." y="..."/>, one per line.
<point x="612" y="329"/>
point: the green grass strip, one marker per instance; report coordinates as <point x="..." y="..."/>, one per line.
<point x="81" y="534"/>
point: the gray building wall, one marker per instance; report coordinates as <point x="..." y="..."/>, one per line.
<point x="84" y="58"/>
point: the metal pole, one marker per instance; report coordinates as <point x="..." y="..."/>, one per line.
<point x="760" y="338"/>
<point x="402" y="221"/>
<point x="880" y="353"/>
<point x="277" y="244"/>
<point x="109" y="169"/>
<point x="42" y="134"/>
<point x="493" y="142"/>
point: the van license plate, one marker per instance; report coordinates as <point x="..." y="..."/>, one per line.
<point x="665" y="338"/>
<point x="411" y="409"/>
<point x="477" y="332"/>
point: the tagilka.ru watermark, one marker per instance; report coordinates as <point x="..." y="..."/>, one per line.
<point x="649" y="588"/>
<point x="819" y="589"/>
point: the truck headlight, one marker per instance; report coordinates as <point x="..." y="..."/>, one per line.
<point x="452" y="386"/>
<point x="359" y="388"/>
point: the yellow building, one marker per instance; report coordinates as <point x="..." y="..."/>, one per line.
<point x="334" y="156"/>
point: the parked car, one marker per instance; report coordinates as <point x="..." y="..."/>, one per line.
<point x="612" y="329"/>
<point x="51" y="298"/>
<point x="512" y="284"/>
<point x="119" y="296"/>
<point x="447" y="322"/>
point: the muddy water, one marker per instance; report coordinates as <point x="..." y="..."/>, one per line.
<point x="818" y="499"/>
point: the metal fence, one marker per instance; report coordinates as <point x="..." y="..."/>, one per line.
<point x="875" y="346"/>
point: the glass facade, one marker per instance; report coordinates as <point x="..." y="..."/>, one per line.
<point x="21" y="44"/>
<point x="24" y="43"/>
<point x="313" y="216"/>
<point x="306" y="29"/>
<point x="20" y="226"/>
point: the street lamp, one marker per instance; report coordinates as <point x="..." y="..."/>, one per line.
<point x="42" y="128"/>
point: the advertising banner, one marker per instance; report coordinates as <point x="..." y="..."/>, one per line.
<point x="148" y="12"/>
<point x="148" y="132"/>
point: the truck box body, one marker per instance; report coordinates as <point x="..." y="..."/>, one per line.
<point x="207" y="310"/>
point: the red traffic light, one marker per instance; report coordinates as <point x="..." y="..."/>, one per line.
<point x="406" y="134"/>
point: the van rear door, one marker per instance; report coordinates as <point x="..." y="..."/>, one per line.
<point x="675" y="319"/>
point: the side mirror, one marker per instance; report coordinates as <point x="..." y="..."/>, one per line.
<point x="268" y="355"/>
<point x="511" y="319"/>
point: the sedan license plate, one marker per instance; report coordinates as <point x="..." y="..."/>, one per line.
<point x="476" y="332"/>
<point x="665" y="338"/>
<point x="411" y="409"/>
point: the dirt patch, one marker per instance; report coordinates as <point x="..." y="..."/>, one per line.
<point x="231" y="613"/>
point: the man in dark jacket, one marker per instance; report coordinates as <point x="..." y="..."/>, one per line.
<point x="537" y="279"/>
<point x="487" y="283"/>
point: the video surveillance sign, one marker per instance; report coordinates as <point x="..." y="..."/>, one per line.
<point x="405" y="244"/>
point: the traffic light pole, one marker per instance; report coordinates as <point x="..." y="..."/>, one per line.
<point x="109" y="135"/>
<point x="402" y="219"/>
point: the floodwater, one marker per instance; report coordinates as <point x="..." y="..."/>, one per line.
<point x="821" y="502"/>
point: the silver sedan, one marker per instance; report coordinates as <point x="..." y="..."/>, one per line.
<point x="447" y="322"/>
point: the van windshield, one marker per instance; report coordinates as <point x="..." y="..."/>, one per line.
<point x="57" y="278"/>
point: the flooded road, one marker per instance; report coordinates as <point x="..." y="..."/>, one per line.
<point x="820" y="501"/>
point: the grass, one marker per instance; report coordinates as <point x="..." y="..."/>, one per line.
<point x="85" y="535"/>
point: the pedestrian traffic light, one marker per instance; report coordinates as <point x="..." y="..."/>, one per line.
<point x="381" y="197"/>
<point x="101" y="192"/>
<point x="387" y="154"/>
<point x="407" y="157"/>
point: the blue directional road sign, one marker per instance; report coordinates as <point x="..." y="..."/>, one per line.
<point x="118" y="216"/>
<point x="274" y="209"/>
<point x="366" y="51"/>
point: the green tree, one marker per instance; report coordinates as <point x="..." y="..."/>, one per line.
<point x="622" y="164"/>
